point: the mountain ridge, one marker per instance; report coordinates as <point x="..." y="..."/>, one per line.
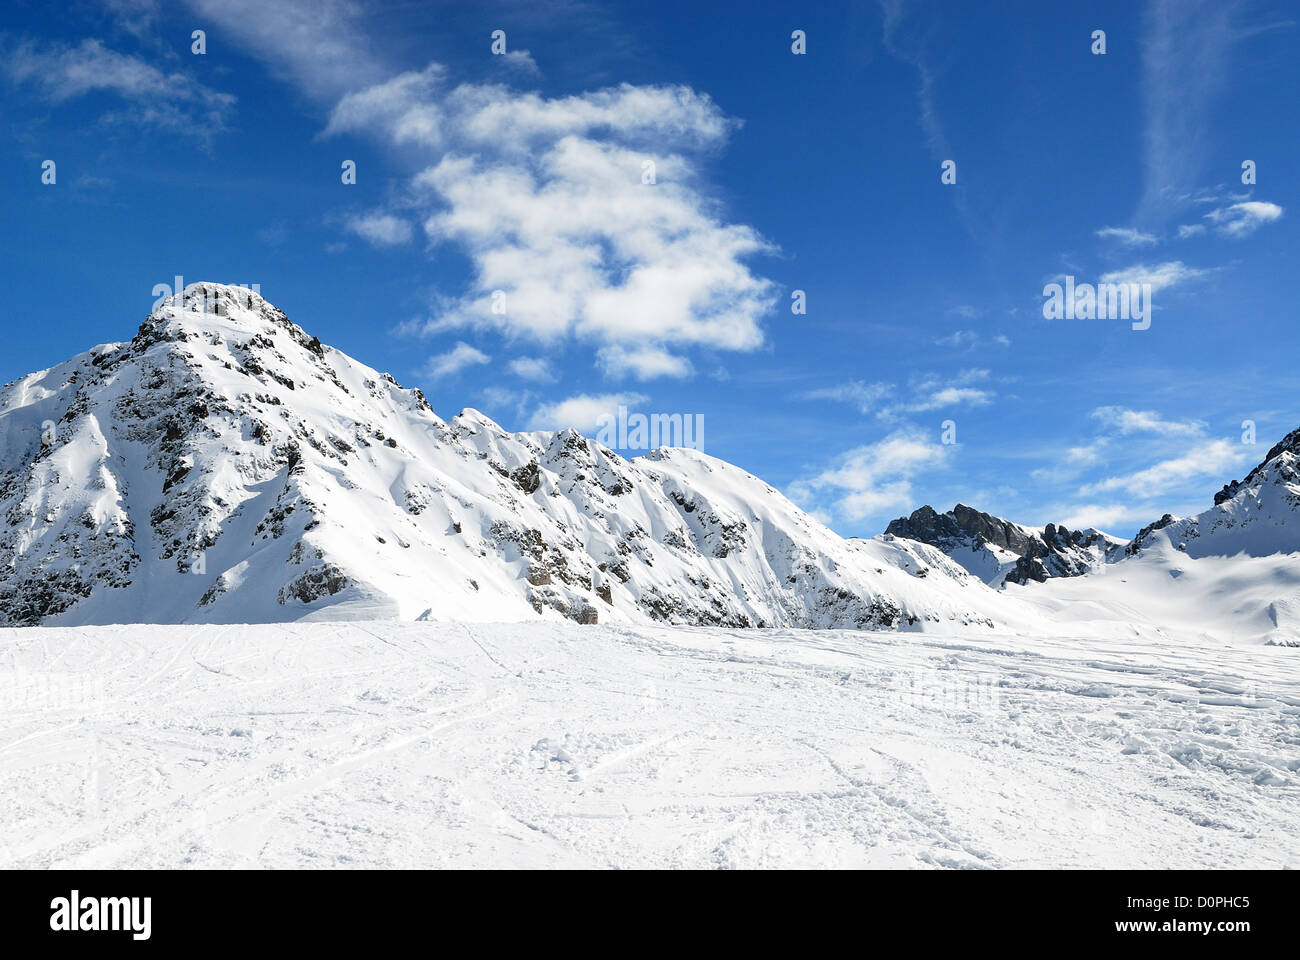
<point x="225" y="466"/>
<point x="999" y="551"/>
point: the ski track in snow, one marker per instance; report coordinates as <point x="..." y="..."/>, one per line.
<point x="389" y="744"/>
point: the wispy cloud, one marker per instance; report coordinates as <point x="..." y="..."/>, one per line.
<point x="1210" y="460"/>
<point x="929" y="393"/>
<point x="1161" y="276"/>
<point x="455" y="360"/>
<point x="642" y="363"/>
<point x="922" y="394"/>
<point x="136" y="17"/>
<point x="866" y="397"/>
<point x="1185" y="55"/>
<point x="1128" y="236"/>
<point x="520" y="61"/>
<point x="1243" y="219"/>
<point x="172" y="101"/>
<point x="380" y="229"/>
<point x="873" y="478"/>
<point x="1110" y="517"/>
<point x="582" y="412"/>
<point x="320" y="45"/>
<point x="969" y="340"/>
<point x="532" y="368"/>
<point x="1127" y="421"/>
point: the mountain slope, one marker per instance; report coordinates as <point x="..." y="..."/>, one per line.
<point x="224" y="466"/>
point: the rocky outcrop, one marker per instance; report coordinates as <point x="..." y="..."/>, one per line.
<point x="999" y="551"/>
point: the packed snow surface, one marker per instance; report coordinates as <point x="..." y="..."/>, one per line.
<point x="400" y="744"/>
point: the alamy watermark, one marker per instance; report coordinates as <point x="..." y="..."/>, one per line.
<point x="947" y="692"/>
<point x="195" y="297"/>
<point x="1102" y="301"/>
<point x="639" y="431"/>
<point x="22" y="691"/>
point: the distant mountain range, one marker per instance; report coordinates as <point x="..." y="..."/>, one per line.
<point x="1256" y="516"/>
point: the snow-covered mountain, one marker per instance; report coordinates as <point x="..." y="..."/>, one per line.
<point x="1258" y="515"/>
<point x="999" y="551"/>
<point x="225" y="466"/>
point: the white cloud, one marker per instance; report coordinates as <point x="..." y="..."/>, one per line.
<point x="498" y="397"/>
<point x="168" y="100"/>
<point x="532" y="368"/>
<point x="1190" y="230"/>
<point x="865" y="396"/>
<point x="1128" y="421"/>
<point x="1106" y="517"/>
<point x="403" y="109"/>
<point x="1211" y="459"/>
<point x="582" y="247"/>
<point x="1243" y="219"/>
<point x="544" y="194"/>
<point x="642" y="363"/>
<point x="317" y="44"/>
<point x="453" y="361"/>
<point x="380" y="229"/>
<point x="875" y="477"/>
<point x="520" y="60"/>
<point x="1064" y="468"/>
<point x="1128" y="236"/>
<point x="958" y="339"/>
<point x="1084" y="455"/>
<point x="582" y="412"/>
<point x="137" y="17"/>
<point x="970" y="339"/>
<point x="922" y="395"/>
<point x="935" y="393"/>
<point x="1159" y="275"/>
<point x="561" y="222"/>
<point x="949" y="397"/>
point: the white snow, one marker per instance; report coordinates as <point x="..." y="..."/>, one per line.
<point x="394" y="744"/>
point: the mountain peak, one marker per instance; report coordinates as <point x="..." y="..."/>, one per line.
<point x="218" y="298"/>
<point x="249" y="332"/>
<point x="222" y="308"/>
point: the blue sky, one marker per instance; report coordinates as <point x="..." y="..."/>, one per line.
<point x="774" y="172"/>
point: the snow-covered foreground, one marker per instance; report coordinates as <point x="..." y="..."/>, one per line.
<point x="369" y="744"/>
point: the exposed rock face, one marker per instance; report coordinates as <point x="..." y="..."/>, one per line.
<point x="963" y="522"/>
<point x="999" y="551"/>
<point x="225" y="466"/>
